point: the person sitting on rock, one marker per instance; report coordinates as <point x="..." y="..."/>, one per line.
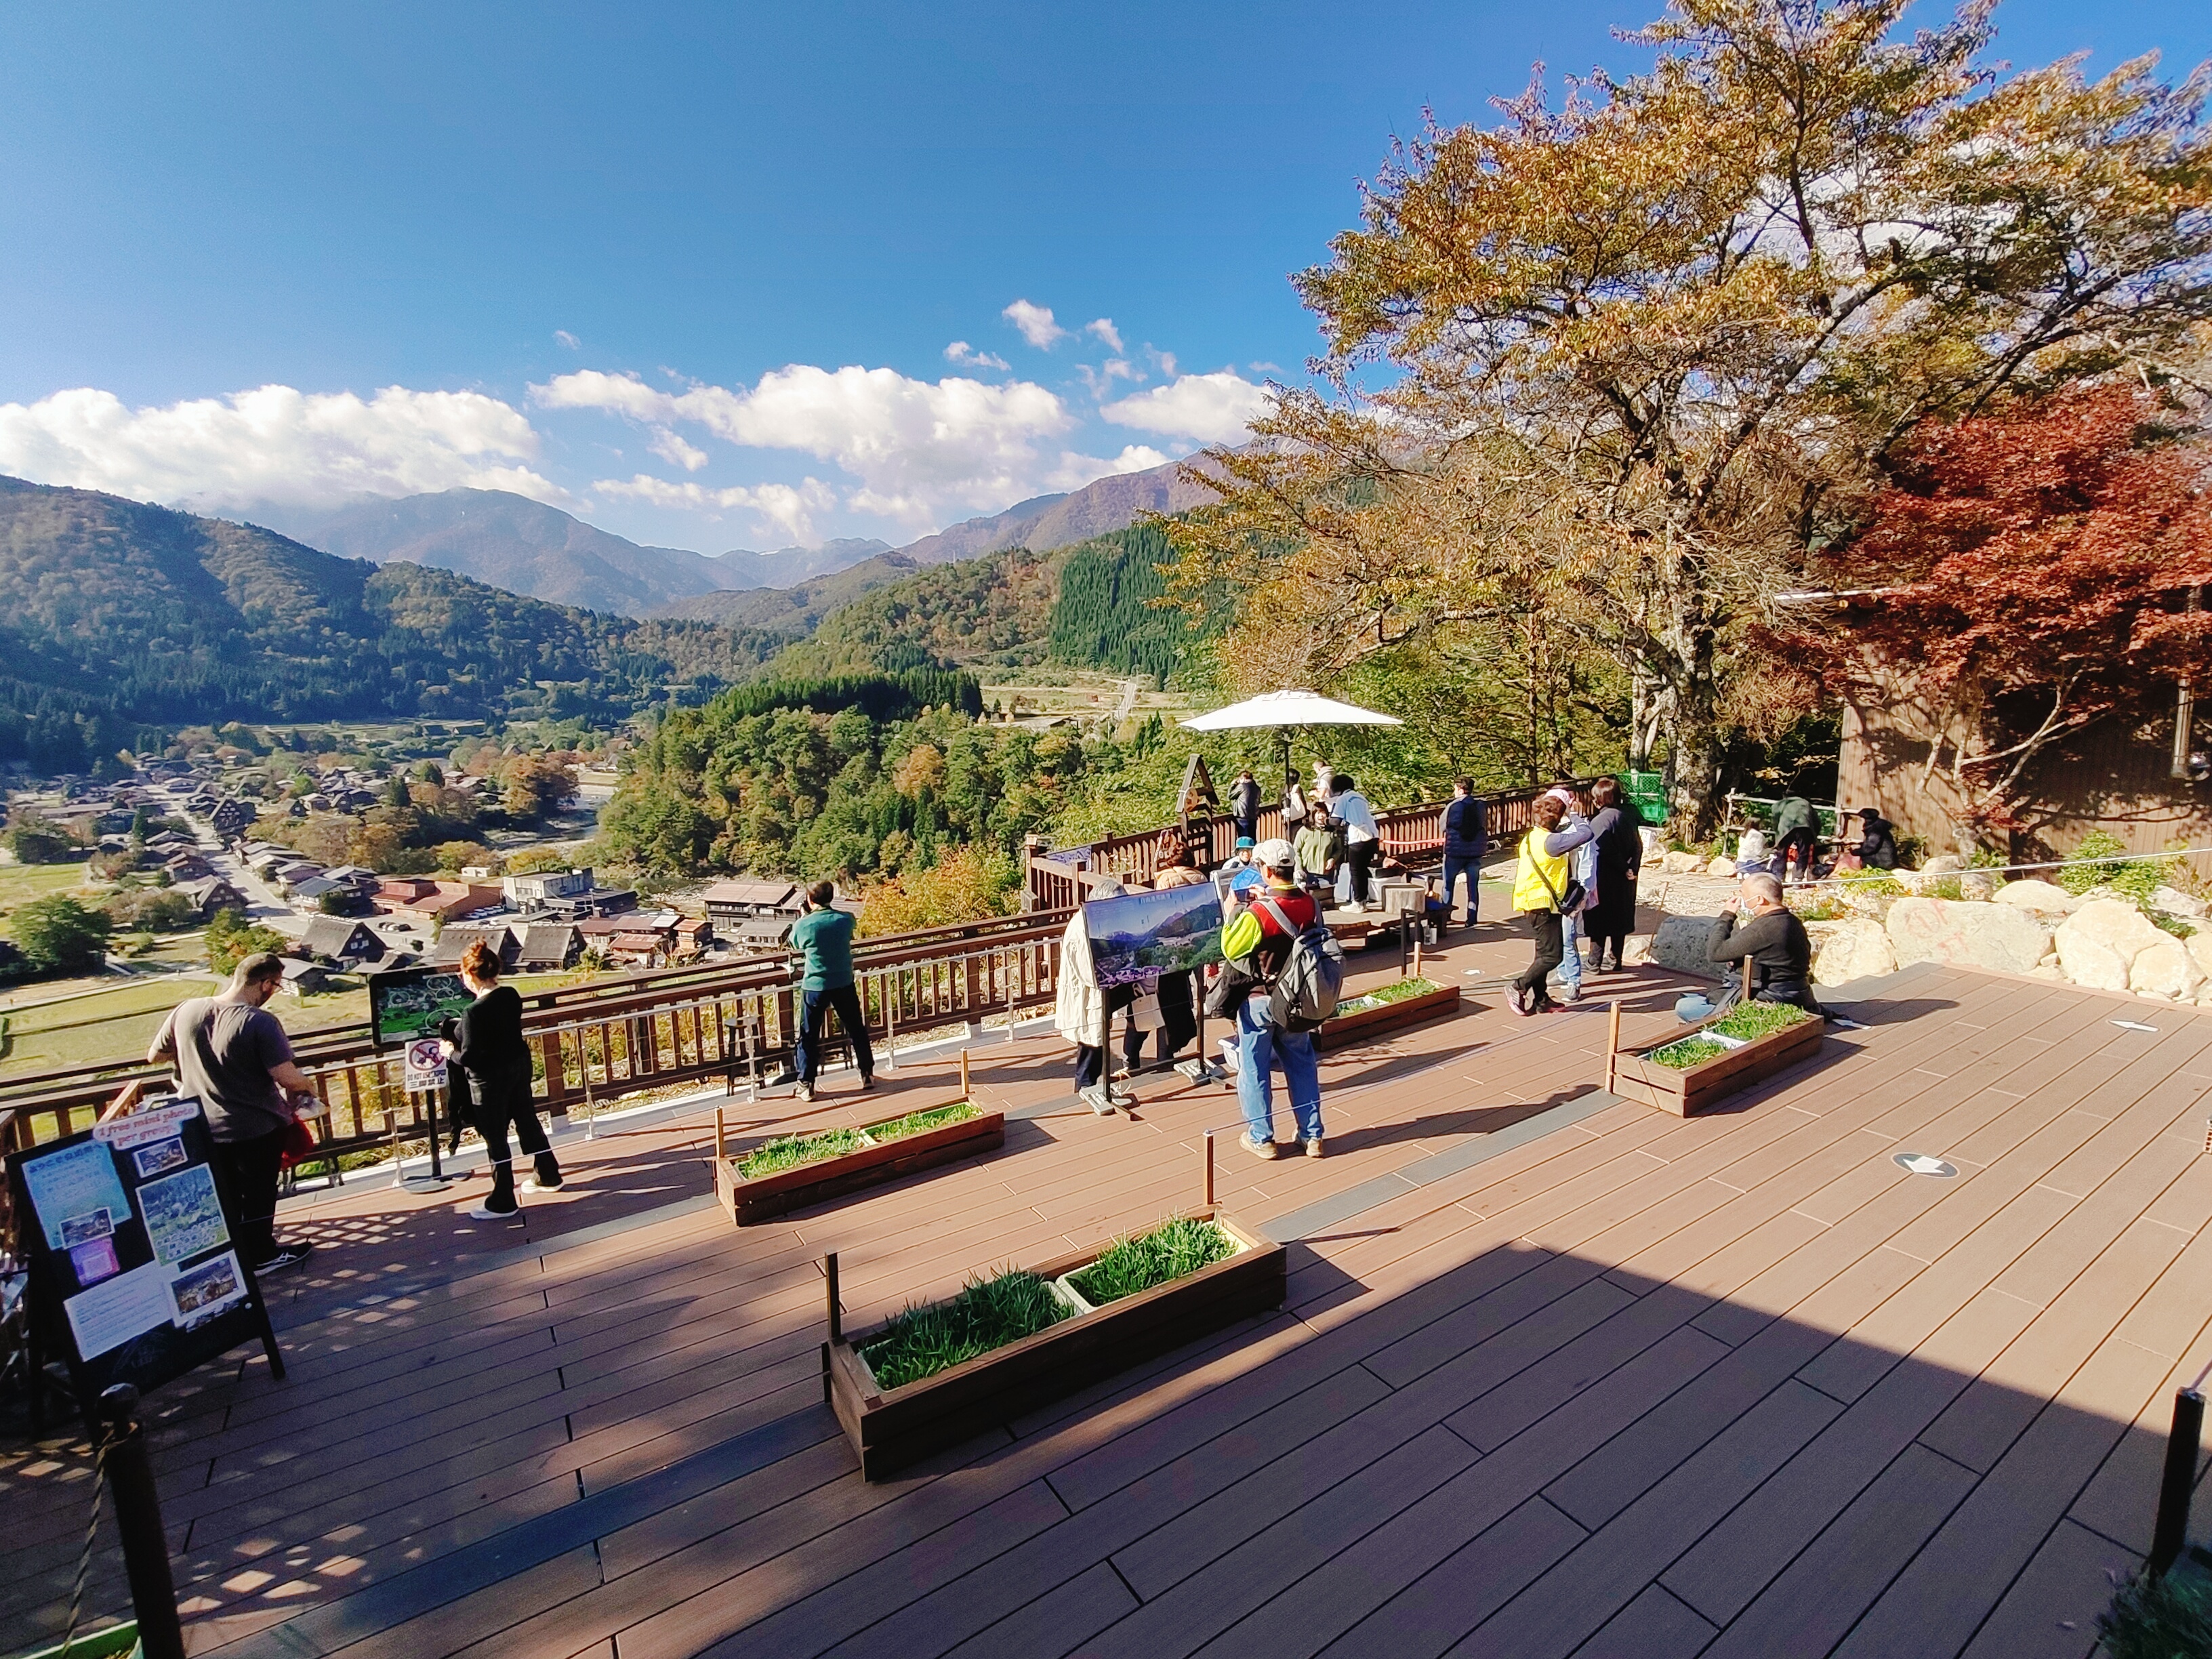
<point x="1758" y="929"/>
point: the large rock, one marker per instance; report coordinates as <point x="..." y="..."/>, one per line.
<point x="2044" y="897"/>
<point x="1855" y="948"/>
<point x="1682" y="864"/>
<point x="1979" y="885"/>
<point x="2175" y="903"/>
<point x="2000" y="938"/>
<point x="1943" y="864"/>
<point x="2199" y="946"/>
<point x="1721" y="867"/>
<point x="1680" y="944"/>
<point x="2098" y="944"/>
<point x="2166" y="969"/>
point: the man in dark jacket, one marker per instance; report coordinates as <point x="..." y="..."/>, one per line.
<point x="1467" y="838"/>
<point x="1244" y="804"/>
<point x="1756" y="928"/>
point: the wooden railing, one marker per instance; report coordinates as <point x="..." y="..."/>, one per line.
<point x="1412" y="836"/>
<point x="617" y="1035"/>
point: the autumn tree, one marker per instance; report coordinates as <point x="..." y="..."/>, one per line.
<point x="1636" y="353"/>
<point x="2028" y="577"/>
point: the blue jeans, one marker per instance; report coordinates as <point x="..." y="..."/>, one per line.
<point x="814" y="1007"/>
<point x="1471" y="867"/>
<point x="1570" y="961"/>
<point x="1258" y="1046"/>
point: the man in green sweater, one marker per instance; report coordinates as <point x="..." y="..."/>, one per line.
<point x="824" y="937"/>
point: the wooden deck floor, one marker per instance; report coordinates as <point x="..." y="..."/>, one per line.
<point x="1557" y="1375"/>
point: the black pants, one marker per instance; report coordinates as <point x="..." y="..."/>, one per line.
<point x="1361" y="855"/>
<point x="1551" y="951"/>
<point x="1178" y="1014"/>
<point x="813" y="1018"/>
<point x="1797" y="845"/>
<point x="1090" y="1057"/>
<point x="249" y="1169"/>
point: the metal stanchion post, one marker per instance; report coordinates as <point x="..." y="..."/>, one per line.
<point x="435" y="1181"/>
<point x="2183" y="1444"/>
<point x="138" y="1519"/>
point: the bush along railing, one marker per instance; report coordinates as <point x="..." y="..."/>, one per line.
<point x="596" y="1043"/>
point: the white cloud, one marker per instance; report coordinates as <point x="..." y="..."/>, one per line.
<point x="917" y="450"/>
<point x="1076" y="470"/>
<point x="967" y="356"/>
<point x="567" y="339"/>
<point x="274" y="444"/>
<point x="1208" y="409"/>
<point x="790" y="507"/>
<point x="670" y="447"/>
<point x="1104" y="329"/>
<point x="1036" y="324"/>
<point x="1100" y="380"/>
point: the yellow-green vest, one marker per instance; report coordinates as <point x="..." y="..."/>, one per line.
<point x="1537" y="866"/>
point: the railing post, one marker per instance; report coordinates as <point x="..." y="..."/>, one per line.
<point x="2183" y="1444"/>
<point x="138" y="1520"/>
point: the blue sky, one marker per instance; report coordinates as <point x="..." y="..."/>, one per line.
<point x="693" y="271"/>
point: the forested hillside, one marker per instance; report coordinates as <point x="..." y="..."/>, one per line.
<point x="1104" y="616"/>
<point x="116" y="616"/>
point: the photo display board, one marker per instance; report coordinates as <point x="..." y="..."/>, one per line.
<point x="133" y="1250"/>
<point x="1146" y="934"/>
<point x="405" y="1004"/>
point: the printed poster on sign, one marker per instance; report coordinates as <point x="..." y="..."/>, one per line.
<point x="74" y="1188"/>
<point x="425" y="1065"/>
<point x="199" y="1293"/>
<point x="184" y="1219"/>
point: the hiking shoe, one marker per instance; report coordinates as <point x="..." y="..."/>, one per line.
<point x="485" y="1213"/>
<point x="1574" y="992"/>
<point x="290" y="1256"/>
<point x="803" y="1091"/>
<point x="868" y="1081"/>
<point x="1313" y="1147"/>
<point x="1257" y="1148"/>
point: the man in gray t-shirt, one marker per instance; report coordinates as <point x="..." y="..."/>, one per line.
<point x="233" y="1055"/>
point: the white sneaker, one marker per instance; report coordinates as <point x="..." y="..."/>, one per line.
<point x="485" y="1213"/>
<point x="1257" y="1148"/>
<point x="1313" y="1147"/>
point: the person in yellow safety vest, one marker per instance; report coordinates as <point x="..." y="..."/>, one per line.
<point x="1540" y="893"/>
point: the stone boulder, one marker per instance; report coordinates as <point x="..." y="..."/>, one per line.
<point x="2166" y="969"/>
<point x="2045" y="898"/>
<point x="1978" y="885"/>
<point x="2199" y="946"/>
<point x="1858" y="947"/>
<point x="2098" y="945"/>
<point x="2175" y="903"/>
<point x="1721" y="867"/>
<point x="2000" y="938"/>
<point x="1680" y="944"/>
<point x="1943" y="864"/>
<point x="1682" y="864"/>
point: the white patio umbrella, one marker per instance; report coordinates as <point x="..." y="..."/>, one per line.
<point x="1287" y="711"/>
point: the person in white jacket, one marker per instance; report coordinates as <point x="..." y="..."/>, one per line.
<point x="1081" y="1007"/>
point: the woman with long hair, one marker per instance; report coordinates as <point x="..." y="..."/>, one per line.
<point x="487" y="1044"/>
<point x="1618" y="829"/>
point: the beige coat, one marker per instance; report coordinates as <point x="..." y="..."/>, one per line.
<point x="1078" y="1008"/>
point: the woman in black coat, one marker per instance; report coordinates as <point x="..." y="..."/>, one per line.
<point x="1611" y="917"/>
<point x="486" y="1042"/>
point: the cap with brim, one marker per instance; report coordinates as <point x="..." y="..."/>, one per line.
<point x="1244" y="842"/>
<point x="1275" y="852"/>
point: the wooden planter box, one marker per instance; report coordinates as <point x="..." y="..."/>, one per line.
<point x="1696" y="1088"/>
<point x="1346" y="1029"/>
<point x="768" y="1196"/>
<point x="891" y="1430"/>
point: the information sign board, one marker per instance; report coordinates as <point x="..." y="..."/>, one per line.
<point x="133" y="1245"/>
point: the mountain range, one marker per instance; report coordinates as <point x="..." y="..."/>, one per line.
<point x="527" y="547"/>
<point x="115" y="613"/>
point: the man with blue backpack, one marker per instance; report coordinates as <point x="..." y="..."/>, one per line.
<point x="1280" y="980"/>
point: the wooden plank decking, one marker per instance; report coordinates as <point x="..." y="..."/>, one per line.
<point x="1556" y="1376"/>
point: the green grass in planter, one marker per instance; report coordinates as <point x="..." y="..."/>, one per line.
<point x="1138" y="1263"/>
<point x="989" y="1313"/>
<point x="1688" y="1052"/>
<point x="1400" y="990"/>
<point x="792" y="1150"/>
<point x="2164" y="1617"/>
<point x="1751" y="1020"/>
<point x="917" y="1123"/>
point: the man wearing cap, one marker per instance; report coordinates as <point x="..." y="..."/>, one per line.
<point x="1256" y="941"/>
<point x="231" y="1054"/>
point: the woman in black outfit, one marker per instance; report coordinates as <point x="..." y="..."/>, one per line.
<point x="1617" y="827"/>
<point x="486" y="1042"/>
